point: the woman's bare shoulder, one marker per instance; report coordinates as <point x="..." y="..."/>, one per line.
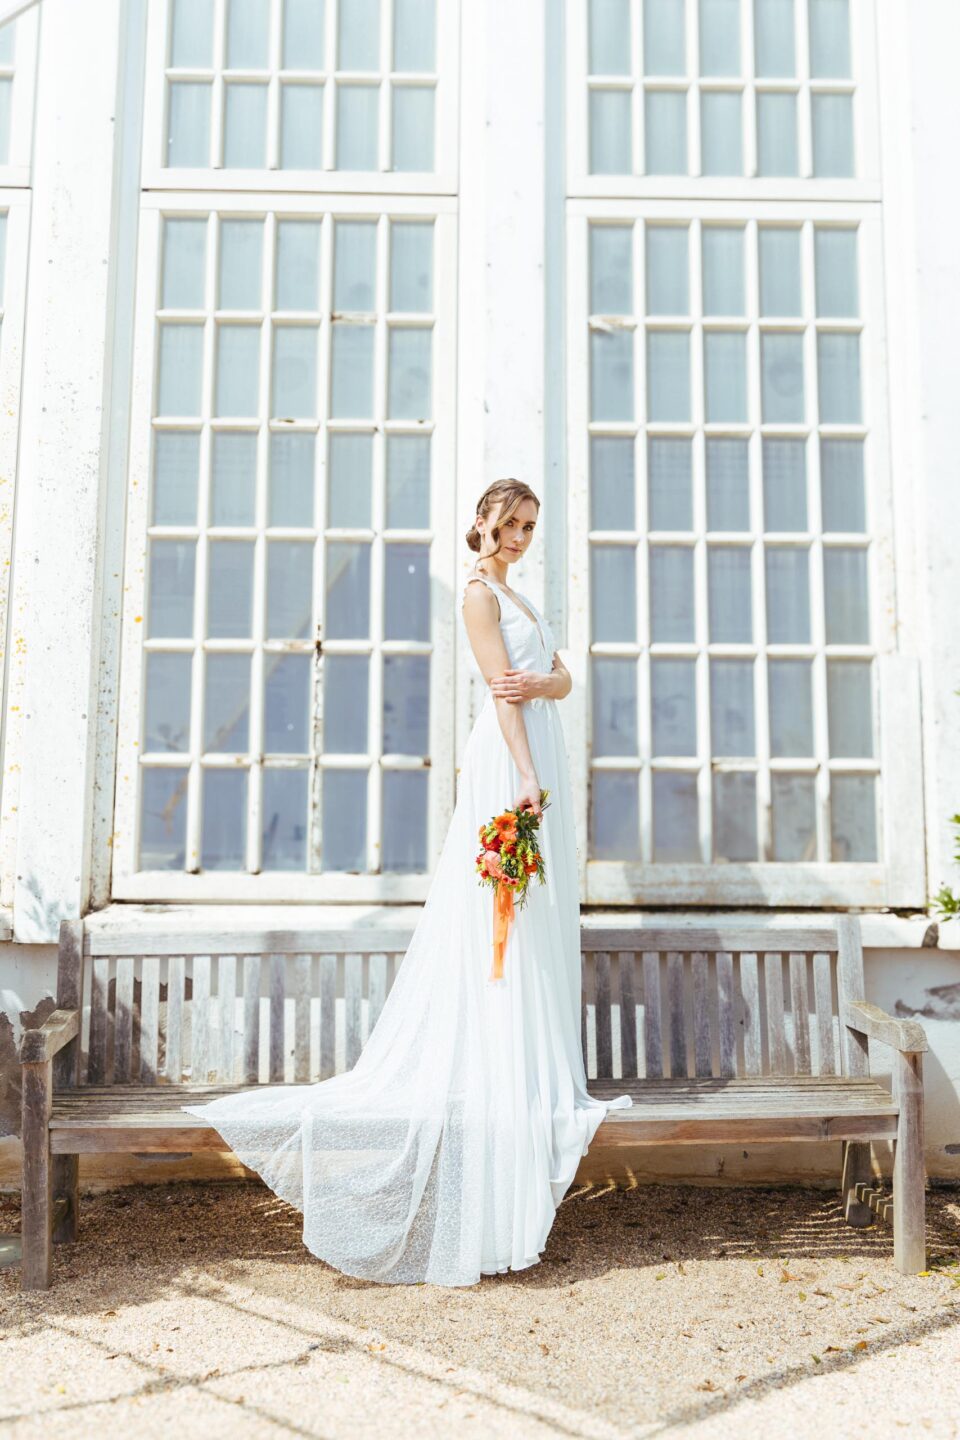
<point x="479" y="600"/>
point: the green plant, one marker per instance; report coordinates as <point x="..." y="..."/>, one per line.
<point x="946" y="902"/>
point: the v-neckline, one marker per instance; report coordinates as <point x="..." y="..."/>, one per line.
<point x="532" y="618"/>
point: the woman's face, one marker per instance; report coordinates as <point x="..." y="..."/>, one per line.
<point x="516" y="533"/>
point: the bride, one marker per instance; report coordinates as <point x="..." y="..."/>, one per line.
<point x="444" y="1153"/>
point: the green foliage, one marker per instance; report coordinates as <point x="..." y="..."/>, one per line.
<point x="946" y="902"/>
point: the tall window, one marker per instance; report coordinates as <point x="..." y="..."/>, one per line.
<point x="284" y="663"/>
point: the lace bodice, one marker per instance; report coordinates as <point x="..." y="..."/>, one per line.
<point x="530" y="643"/>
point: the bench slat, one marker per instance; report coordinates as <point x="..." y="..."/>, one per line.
<point x="227" y="1016"/>
<point x="302" y="992"/>
<point x="652" y="1016"/>
<point x="353" y="1001"/>
<point x="377" y="986"/>
<point x="776" y="1032"/>
<point x="149" y="1017"/>
<point x="277" y="1016"/>
<point x="200" y="1020"/>
<point x="601" y="1013"/>
<point x="702" y="1044"/>
<point x="175" y="980"/>
<point x="725" y="1013"/>
<point x="328" y="1016"/>
<point x="97" y="1053"/>
<point x="251" y="1018"/>
<point x="800" y="1007"/>
<point x="823" y="999"/>
<point x="123" y="1020"/>
<point x="750" y="997"/>
<point x="626" y="968"/>
<point x="677" y="1004"/>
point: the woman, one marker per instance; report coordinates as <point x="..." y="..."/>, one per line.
<point x="444" y="1153"/>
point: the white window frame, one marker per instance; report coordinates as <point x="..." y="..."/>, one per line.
<point x="16" y="173"/>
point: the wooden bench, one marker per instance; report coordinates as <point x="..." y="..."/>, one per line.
<point x="718" y="1038"/>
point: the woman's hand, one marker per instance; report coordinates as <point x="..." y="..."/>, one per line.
<point x="528" y="796"/>
<point x="516" y="686"/>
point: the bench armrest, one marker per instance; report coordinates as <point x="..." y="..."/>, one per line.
<point x="37" y="1046"/>
<point x="906" y="1035"/>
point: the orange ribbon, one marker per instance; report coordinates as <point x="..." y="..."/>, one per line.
<point x="502" y="918"/>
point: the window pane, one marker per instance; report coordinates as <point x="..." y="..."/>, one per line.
<point x="406" y="704"/>
<point x="298" y="265"/>
<point x="192" y="40"/>
<point x="407" y="592"/>
<point x="245" y="126"/>
<point x="166" y="725"/>
<point x="665" y="126"/>
<point x="779" y="251"/>
<point x="609" y="37"/>
<point x="238" y="370"/>
<point x="413" y="109"/>
<point x="845" y="596"/>
<point x="180" y="369"/>
<point x="408" y="482"/>
<point x="355" y="266"/>
<point x="784" y="484"/>
<point x="773" y="38"/>
<point x="414" y="35"/>
<point x="667" y="270"/>
<point x="357" y="127"/>
<point x="842" y="485"/>
<point x="611" y="269"/>
<point x="676" y="818"/>
<point x="832" y="117"/>
<point x="289" y="589"/>
<point x="614" y="815"/>
<point x="284" y="820"/>
<point x="781" y="378"/>
<point x="233" y="479"/>
<point x="351" y="378"/>
<point x="853" y="817"/>
<point x="613" y="503"/>
<point x="176" y="477"/>
<point x="732" y="709"/>
<point x="668" y="375"/>
<point x="404" y="847"/>
<point x="611" y="375"/>
<point x="172" y="578"/>
<point x="344" y="820"/>
<point x="850" y="709"/>
<point x="613" y="584"/>
<point x="663" y="41"/>
<point x="720" y="37"/>
<point x="614" y="697"/>
<point x="248" y="34"/>
<point x="409" y="378"/>
<point x="836" y="272"/>
<point x="788" y="595"/>
<point x="838" y="378"/>
<point x="670" y="482"/>
<point x="723" y="288"/>
<point x="184" y="257"/>
<point x="728" y="484"/>
<point x="301" y="127"/>
<point x="224" y="820"/>
<point x="359" y="35"/>
<point x="241" y="250"/>
<point x="734" y="815"/>
<point x="292" y="463"/>
<point x="829" y="39"/>
<point x="188" y="137"/>
<point x="730" y="600"/>
<point x="295" y="372"/>
<point x="346" y="704"/>
<point x="721" y="143"/>
<point x="673" y="705"/>
<point x="286" y="704"/>
<point x="163" y="819"/>
<point x="230" y="589"/>
<point x="411" y="266"/>
<point x="794" y="817"/>
<point x="611" y="144"/>
<point x="671" y="593"/>
<point x="226" y="704"/>
<point x="725" y="375"/>
<point x="791" y="707"/>
<point x="303" y="30"/>
<point x="350" y="481"/>
<point x="777" y="152"/>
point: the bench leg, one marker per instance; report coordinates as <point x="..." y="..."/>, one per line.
<point x="37" y="1199"/>
<point x="909" y="1199"/>
<point x="66" y="1186"/>
<point x="856" y="1169"/>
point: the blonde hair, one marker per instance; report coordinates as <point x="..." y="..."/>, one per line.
<point x="508" y="493"/>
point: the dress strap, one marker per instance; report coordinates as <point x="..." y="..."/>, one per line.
<point x="491" y="585"/>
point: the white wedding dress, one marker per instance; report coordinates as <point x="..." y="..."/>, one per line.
<point x="444" y="1153"/>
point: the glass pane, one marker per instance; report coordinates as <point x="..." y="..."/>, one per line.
<point x="665" y="123"/>
<point x="614" y="815"/>
<point x="720" y="37"/>
<point x="359" y="35"/>
<point x="734" y="815"/>
<point x="728" y="484"/>
<point x="838" y="371"/>
<point x="408" y="482"/>
<point x="301" y="128"/>
<point x="845" y="595"/>
<point x="611" y="375"/>
<point x="723" y="287"/>
<point x="355" y="265"/>
<point x="791" y="707"/>
<point x="406" y="705"/>
<point x="780" y="288"/>
<point x="286" y="704"/>
<point x="673" y="706"/>
<point x="176" y="477"/>
<point x="163" y="819"/>
<point x="233" y="478"/>
<point x="245" y="126"/>
<point x="667" y="270"/>
<point x="794" y="817"/>
<point x="613" y="584"/>
<point x="842" y="489"/>
<point x="729" y="593"/>
<point x="788" y="595"/>
<point x="344" y="820"/>
<point x="289" y="589"/>
<point x="166" y="722"/>
<point x="347" y="591"/>
<point x="188" y="136"/>
<point x="611" y="133"/>
<point x="346" y="704"/>
<point x="406" y="592"/>
<point x="413" y="110"/>
<point x="357" y="107"/>
<point x="671" y="593"/>
<point x="8" y="33"/>
<point x="295" y="372"/>
<point x="614" y="697"/>
<point x="829" y="39"/>
<point x="230" y="589"/>
<point x="6" y="107"/>
<point x="248" y="34"/>
<point x="611" y="269"/>
<point x="609" y="37"/>
<point x="781" y="367"/>
<point x="725" y="375"/>
<point x="613" y="504"/>
<point x="224" y="842"/>
<point x="676" y="818"/>
<point x="668" y="375"/>
<point x="853" y="817"/>
<point x="777" y="152"/>
<point x="172" y="578"/>
<point x="298" y="265"/>
<point x="414" y="35"/>
<point x="732" y="709"/>
<point x="670" y="484"/>
<point x="784" y="485"/>
<point x="411" y="266"/>
<point x="241" y="251"/>
<point x="663" y="41"/>
<point x="832" y="117"/>
<point x="836" y="272"/>
<point x="303" y="31"/>
<point x="773" y="38"/>
<point x="184" y="257"/>
<point x="180" y="368"/>
<point x="191" y="43"/>
<point x="226" y="704"/>
<point x="404" y="846"/>
<point x="721" y="144"/>
<point x="292" y="465"/>
<point x="238" y="370"/>
<point x="350" y="481"/>
<point x="850" y="709"/>
<point x="409" y="378"/>
<point x="284" y="820"/>
<point x="351" y="377"/>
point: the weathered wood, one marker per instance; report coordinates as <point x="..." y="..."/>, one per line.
<point x="302" y="993"/>
<point x="676" y="1000"/>
<point x="175" y="987"/>
<point x="584" y="1003"/>
<point x="200" y="1057"/>
<point x="750" y="996"/>
<point x="149" y="1018"/>
<point x="857" y="1165"/>
<point x="776" y="1033"/>
<point x="227" y="1015"/>
<point x="725" y="1013"/>
<point x="378" y="986"/>
<point x="211" y="941"/>
<point x="909" y="1230"/>
<point x="652" y="1010"/>
<point x="57" y="1030"/>
<point x="251" y="1018"/>
<point x="870" y="1020"/>
<point x="328" y="1016"/>
<point x="823" y="999"/>
<point x="686" y="941"/>
<point x="800" y="1010"/>
<point x="601" y="1013"/>
<point x="277" y="1016"/>
<point x="97" y="1051"/>
<point x="37" y="1184"/>
<point x="702" y="1044"/>
<point x="352" y="1008"/>
<point x="626" y="967"/>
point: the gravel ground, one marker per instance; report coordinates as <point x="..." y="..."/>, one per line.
<point x="194" y="1310"/>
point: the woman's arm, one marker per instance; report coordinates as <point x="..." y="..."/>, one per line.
<point x="481" y="617"/>
<point x="515" y="686"/>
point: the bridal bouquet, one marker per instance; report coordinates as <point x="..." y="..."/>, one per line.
<point x="509" y="857"/>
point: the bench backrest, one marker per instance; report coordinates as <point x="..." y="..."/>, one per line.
<point x="298" y="1006"/>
